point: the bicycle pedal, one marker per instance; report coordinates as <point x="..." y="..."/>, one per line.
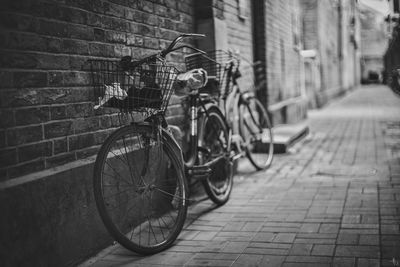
<point x="236" y="138"/>
<point x="200" y="172"/>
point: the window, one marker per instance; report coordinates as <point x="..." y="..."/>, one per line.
<point x="242" y="9"/>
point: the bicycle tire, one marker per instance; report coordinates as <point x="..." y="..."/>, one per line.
<point x="142" y="207"/>
<point x="256" y="131"/>
<point x="213" y="136"/>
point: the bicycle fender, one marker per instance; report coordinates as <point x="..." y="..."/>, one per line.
<point x="246" y="96"/>
<point x="175" y="146"/>
<point x="167" y="136"/>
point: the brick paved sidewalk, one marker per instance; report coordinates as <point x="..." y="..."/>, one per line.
<point x="333" y="201"/>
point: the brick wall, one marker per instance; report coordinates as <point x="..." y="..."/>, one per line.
<point x="46" y="108"/>
<point x="240" y="35"/>
<point x="283" y="18"/>
<point x="374" y="41"/>
<point x="329" y="33"/>
<point x="328" y="44"/>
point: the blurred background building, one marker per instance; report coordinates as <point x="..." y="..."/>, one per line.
<point x="392" y="55"/>
<point x="374" y="34"/>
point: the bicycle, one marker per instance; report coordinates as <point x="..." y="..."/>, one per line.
<point x="208" y="159"/>
<point x="139" y="174"/>
<point x="250" y="127"/>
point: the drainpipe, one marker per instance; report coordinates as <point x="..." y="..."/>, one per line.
<point x="340" y="44"/>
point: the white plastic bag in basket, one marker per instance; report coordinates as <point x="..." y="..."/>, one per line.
<point x="111" y="91"/>
<point x="191" y="81"/>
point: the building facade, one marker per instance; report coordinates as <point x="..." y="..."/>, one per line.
<point x="374" y="44"/>
<point x="392" y="54"/>
<point x="331" y="43"/>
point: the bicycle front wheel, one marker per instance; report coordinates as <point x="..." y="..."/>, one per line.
<point x="256" y="131"/>
<point x="140" y="190"/>
<point x="213" y="139"/>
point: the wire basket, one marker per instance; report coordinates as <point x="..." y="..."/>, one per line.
<point x="215" y="71"/>
<point x="253" y="76"/>
<point x="146" y="88"/>
<point x="217" y="63"/>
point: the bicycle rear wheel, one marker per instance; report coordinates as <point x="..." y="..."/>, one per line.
<point x="213" y="138"/>
<point x="256" y="131"/>
<point x="140" y="190"/>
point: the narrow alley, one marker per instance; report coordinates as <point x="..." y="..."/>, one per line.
<point x="334" y="200"/>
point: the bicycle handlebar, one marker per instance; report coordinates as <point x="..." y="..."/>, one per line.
<point x="127" y="62"/>
<point x="170" y="48"/>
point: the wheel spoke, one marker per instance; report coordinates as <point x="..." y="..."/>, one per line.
<point x="143" y="218"/>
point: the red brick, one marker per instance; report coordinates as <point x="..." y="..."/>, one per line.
<point x="34" y="151"/>
<point x="26" y="168"/>
<point x="6" y="78"/>
<point x="80" y="141"/>
<point x="58" y="112"/>
<point x="18" y="60"/>
<point x="115" y="24"/>
<point x="52" y="28"/>
<point x="84" y="153"/>
<point x="60" y="146"/>
<point x="80" y="110"/>
<point x="75" y="46"/>
<point x="74" y="15"/>
<point x="81" y="125"/>
<point x="113" y="9"/>
<point x="8" y="157"/>
<point x="104" y="50"/>
<point x="2" y="139"/>
<point x="32" y="115"/>
<point x="58" y="129"/>
<point x="24" y="135"/>
<point x="60" y="159"/>
<point x="30" y="79"/>
<point x="7" y="118"/>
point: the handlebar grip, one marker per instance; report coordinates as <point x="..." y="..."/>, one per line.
<point x="193" y="35"/>
<point x="170" y="48"/>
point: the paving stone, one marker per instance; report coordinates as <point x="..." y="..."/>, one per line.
<point x="264" y="237"/>
<point x="314" y="241"/>
<point x="305" y="264"/>
<point x="368" y="263"/>
<point x="284" y="238"/>
<point x="252" y="226"/>
<point x="308" y="259"/>
<point x="329" y="228"/>
<point x="233" y="226"/>
<point x="344" y="262"/>
<point x="348" y="239"/>
<point x="371" y="252"/>
<point x="269" y="260"/>
<point x="206" y="262"/>
<point x="216" y="256"/>
<point x="266" y="251"/>
<point x="369" y="240"/>
<point x="323" y="250"/>
<point x="351" y="219"/>
<point x="209" y="235"/>
<point x="309" y="228"/>
<point x="235" y="247"/>
<point x="213" y="246"/>
<point x="390" y="252"/>
<point x="301" y="249"/>
<point x="359" y="226"/>
<point x="390" y="229"/>
<point x="390" y="240"/>
<point x="248" y="260"/>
